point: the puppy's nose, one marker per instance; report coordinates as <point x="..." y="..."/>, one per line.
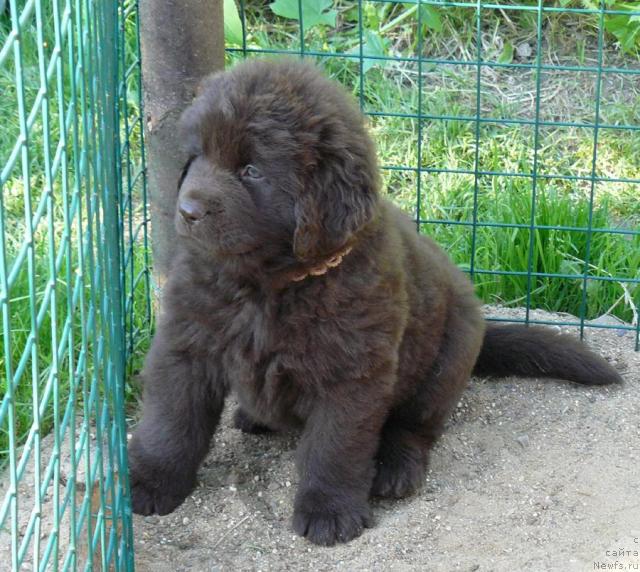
<point x="191" y="211"/>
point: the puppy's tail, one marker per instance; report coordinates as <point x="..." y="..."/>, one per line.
<point x="541" y="352"/>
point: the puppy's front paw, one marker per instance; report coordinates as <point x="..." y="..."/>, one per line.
<point x="154" y="490"/>
<point x="147" y="499"/>
<point x="324" y="521"/>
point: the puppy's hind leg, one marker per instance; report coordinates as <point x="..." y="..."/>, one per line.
<point x="243" y="421"/>
<point x="413" y="426"/>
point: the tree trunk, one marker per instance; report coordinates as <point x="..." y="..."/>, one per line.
<point x="181" y="42"/>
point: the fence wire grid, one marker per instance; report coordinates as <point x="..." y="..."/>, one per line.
<point x="449" y="85"/>
<point x="74" y="286"/>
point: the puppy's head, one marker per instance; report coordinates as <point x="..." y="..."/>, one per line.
<point x="281" y="166"/>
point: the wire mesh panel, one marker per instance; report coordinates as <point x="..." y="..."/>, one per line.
<point x="509" y="130"/>
<point x="73" y="279"/>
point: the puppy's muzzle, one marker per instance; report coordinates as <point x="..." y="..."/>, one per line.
<point x="192" y="211"/>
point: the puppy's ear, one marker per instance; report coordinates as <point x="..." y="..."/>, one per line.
<point x="339" y="198"/>
<point x="191" y="129"/>
<point x="185" y="170"/>
<point x="195" y="122"/>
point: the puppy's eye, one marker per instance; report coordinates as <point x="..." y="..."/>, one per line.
<point x="250" y="172"/>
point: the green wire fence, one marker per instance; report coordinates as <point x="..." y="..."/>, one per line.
<point x="74" y="286"/>
<point x="521" y="158"/>
<point x="397" y="48"/>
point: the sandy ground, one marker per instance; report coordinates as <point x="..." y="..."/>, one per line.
<point x="530" y="475"/>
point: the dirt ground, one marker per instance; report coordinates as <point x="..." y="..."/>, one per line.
<point x="530" y="475"/>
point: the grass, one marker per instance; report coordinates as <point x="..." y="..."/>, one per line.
<point x="57" y="291"/>
<point x="503" y="196"/>
<point x="449" y="201"/>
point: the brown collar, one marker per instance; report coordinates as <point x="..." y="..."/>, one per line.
<point x="323" y="267"/>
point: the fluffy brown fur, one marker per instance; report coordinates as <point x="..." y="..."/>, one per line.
<point x="367" y="359"/>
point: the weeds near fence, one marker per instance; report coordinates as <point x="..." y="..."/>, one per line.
<point x="64" y="234"/>
<point x="389" y="91"/>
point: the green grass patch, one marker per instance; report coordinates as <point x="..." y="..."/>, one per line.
<point x="55" y="303"/>
<point x="444" y="89"/>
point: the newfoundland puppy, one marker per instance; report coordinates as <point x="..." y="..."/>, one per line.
<point x="315" y="301"/>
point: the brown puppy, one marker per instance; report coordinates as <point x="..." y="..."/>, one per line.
<point x="315" y="301"/>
